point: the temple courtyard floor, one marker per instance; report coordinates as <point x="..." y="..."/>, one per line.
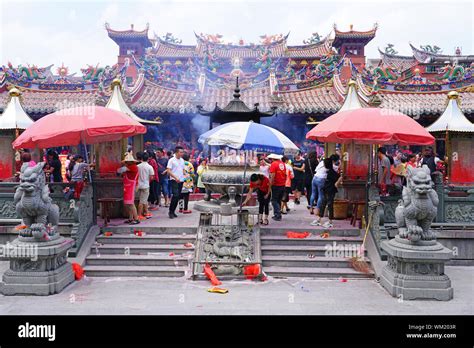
<point x="276" y="296"/>
<point x="294" y="296"/>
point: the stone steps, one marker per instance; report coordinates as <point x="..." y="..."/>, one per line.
<point x="136" y="260"/>
<point x="161" y="252"/>
<point x="305" y="261"/>
<point x="312" y="257"/>
<point x="340" y="232"/>
<point x="128" y="230"/>
<point x="134" y="271"/>
<point x="147" y="239"/>
<point x="299" y="250"/>
<point x="314" y="272"/>
<point x="141" y="249"/>
<point x="283" y="240"/>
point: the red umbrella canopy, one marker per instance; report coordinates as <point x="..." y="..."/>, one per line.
<point x="87" y="124"/>
<point x="371" y="126"/>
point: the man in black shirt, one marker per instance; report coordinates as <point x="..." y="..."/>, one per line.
<point x="54" y="165"/>
<point x="162" y="162"/>
<point x="309" y="167"/>
<point x="298" y="180"/>
<point x="429" y="159"/>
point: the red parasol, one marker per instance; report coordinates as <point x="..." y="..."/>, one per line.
<point x="371" y="126"/>
<point x="87" y="125"/>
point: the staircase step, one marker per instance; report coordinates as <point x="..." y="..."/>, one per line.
<point x="142" y="249"/>
<point x="309" y="272"/>
<point x="341" y="232"/>
<point x="135" y="260"/>
<point x="134" y="271"/>
<point x="301" y="250"/>
<point x="147" y="239"/>
<point x="127" y="229"/>
<point x="304" y="261"/>
<point x="283" y="240"/>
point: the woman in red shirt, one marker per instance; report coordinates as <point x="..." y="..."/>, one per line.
<point x="129" y="172"/>
<point x="262" y="184"/>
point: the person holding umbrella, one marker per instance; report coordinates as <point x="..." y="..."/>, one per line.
<point x="277" y="181"/>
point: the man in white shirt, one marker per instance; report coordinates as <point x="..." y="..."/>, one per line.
<point x="175" y="169"/>
<point x="145" y="175"/>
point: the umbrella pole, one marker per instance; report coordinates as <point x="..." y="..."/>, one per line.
<point x="243" y="181"/>
<point x="87" y="161"/>
<point x="369" y="183"/>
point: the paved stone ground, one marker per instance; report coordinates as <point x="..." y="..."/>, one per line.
<point x="298" y="218"/>
<point x="276" y="296"/>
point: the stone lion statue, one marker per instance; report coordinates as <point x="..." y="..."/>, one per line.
<point x="39" y="215"/>
<point x="418" y="206"/>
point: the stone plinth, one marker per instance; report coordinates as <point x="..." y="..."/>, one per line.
<point x="416" y="271"/>
<point x="216" y="207"/>
<point x="37" y="268"/>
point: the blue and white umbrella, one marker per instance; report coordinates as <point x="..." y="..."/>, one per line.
<point x="249" y="136"/>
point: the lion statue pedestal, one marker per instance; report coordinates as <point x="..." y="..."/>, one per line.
<point x="38" y="257"/>
<point x="415" y="267"/>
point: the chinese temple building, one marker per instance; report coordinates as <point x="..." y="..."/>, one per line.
<point x="167" y="80"/>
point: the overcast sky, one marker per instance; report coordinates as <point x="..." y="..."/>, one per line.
<point x="52" y="32"/>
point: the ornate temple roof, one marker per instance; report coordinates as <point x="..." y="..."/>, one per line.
<point x="306" y="51"/>
<point x="452" y="119"/>
<point x="235" y="110"/>
<point x="416" y="104"/>
<point x="175" y="78"/>
<point x="361" y="36"/>
<point x="14" y="116"/>
<point x="153" y="98"/>
<point x="124" y="35"/>
<point x="168" y="49"/>
<point x="423" y="56"/>
<point x="276" y="44"/>
<point x="45" y="102"/>
<point x="401" y="63"/>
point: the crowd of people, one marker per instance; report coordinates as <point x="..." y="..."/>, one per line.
<point x="279" y="177"/>
<point x="392" y="169"/>
<point x="73" y="171"/>
<point x="157" y="174"/>
<point x="156" y="177"/>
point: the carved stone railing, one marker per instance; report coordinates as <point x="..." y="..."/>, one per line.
<point x="376" y="216"/>
<point x="80" y="214"/>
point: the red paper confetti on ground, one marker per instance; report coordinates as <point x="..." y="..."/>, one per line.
<point x="252" y="271"/>
<point x="211" y="275"/>
<point x="292" y="234"/>
<point x="78" y="271"/>
<point x="324" y="235"/>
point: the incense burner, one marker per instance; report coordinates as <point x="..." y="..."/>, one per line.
<point x="220" y="178"/>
